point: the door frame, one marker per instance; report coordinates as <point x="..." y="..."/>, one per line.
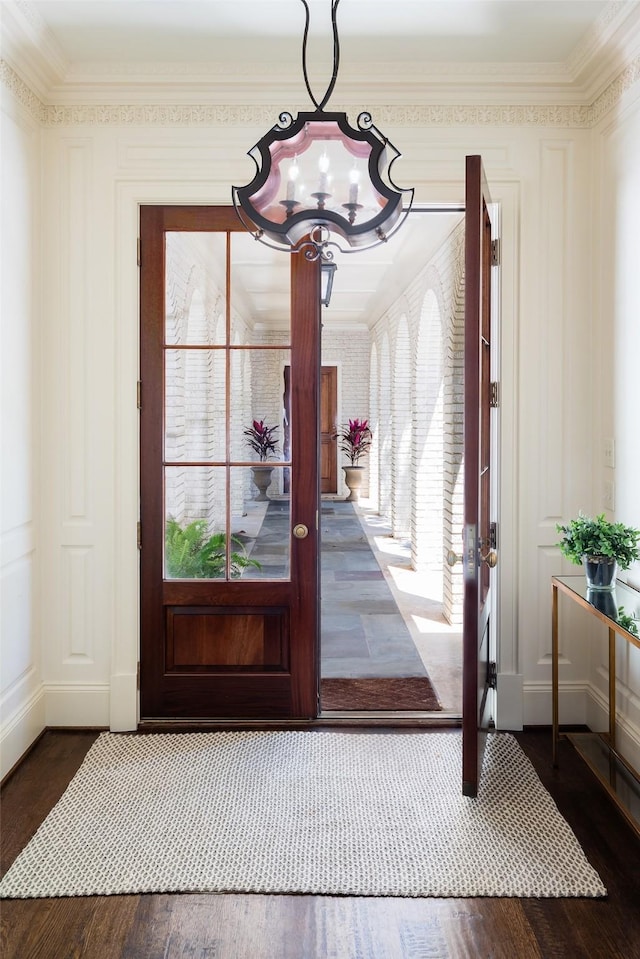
<point x="121" y="697"/>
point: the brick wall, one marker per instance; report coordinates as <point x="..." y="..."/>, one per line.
<point x="417" y="348"/>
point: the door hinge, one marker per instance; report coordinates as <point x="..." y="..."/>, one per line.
<point x="493" y="535"/>
<point x="139" y="394"/>
<point x="492" y="675"/>
<point x="138" y="676"/>
<point x="138" y="251"/>
<point x="495" y="253"/>
<point x="139" y="534"/>
<point x="494" y="395"/>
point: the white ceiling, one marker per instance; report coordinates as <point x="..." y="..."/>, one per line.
<point x="88" y="41"/>
<point x="515" y="31"/>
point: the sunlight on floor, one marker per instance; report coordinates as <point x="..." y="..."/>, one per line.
<point x="419" y="599"/>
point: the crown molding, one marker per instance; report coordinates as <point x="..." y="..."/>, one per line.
<point x="31" y="50"/>
<point x="209" y="94"/>
<point x="607" y="50"/>
<point x="261" y="116"/>
<point x="29" y="47"/>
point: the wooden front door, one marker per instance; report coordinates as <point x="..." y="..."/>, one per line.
<point x="328" y="427"/>
<point x="479" y="539"/>
<point x="229" y="573"/>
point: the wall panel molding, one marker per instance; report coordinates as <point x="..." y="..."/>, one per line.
<point x="556" y="170"/>
<point x="76" y="296"/>
<point x="79" y="588"/>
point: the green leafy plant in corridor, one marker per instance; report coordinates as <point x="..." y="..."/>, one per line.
<point x="192" y="553"/>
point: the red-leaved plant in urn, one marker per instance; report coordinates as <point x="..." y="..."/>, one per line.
<point x="262" y="439"/>
<point x="356" y="439"/>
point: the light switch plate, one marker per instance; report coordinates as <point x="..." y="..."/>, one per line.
<point x="610" y="452"/>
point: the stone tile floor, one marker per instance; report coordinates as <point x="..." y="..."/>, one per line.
<point x="379" y="617"/>
<point x="382" y="632"/>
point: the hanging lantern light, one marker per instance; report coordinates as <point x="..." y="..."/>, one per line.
<point x="320" y="181"/>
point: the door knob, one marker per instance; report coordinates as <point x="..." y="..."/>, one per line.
<point x="300" y="531"/>
<point x="453" y="558"/>
<point x="490" y="558"/>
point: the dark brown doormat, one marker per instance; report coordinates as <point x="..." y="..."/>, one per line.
<point x="388" y="693"/>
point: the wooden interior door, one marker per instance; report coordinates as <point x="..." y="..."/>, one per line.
<point x="479" y="540"/>
<point x="328" y="427"/>
<point x="229" y="595"/>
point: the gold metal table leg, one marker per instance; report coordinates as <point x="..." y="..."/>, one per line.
<point x="612" y="688"/>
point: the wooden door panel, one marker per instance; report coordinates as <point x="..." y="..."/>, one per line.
<point x="477" y="605"/>
<point x="206" y="638"/>
<point x="230" y="641"/>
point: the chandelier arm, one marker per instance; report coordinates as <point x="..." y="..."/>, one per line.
<point x="336" y="54"/>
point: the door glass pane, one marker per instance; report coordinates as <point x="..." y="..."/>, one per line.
<point x="195" y="405"/>
<point x="261" y="521"/>
<point x="195" y="293"/>
<point x="195" y="522"/>
<point x="258" y="405"/>
<point x="226" y="403"/>
<point x="260" y="293"/>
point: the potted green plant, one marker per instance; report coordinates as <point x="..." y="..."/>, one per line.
<point x="600" y="546"/>
<point x="263" y="440"/>
<point x="192" y="553"/>
<point x="356" y="439"/>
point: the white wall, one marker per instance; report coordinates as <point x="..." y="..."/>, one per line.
<point x="616" y="393"/>
<point x="98" y="166"/>
<point x="21" y="693"/>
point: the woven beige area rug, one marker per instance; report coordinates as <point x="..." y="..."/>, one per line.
<point x="367" y="814"/>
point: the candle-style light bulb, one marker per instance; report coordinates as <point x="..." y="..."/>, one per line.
<point x="323" y="166"/>
<point x="354" y="180"/>
<point x="294" y="171"/>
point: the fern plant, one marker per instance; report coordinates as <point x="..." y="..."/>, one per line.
<point x="191" y="553"/>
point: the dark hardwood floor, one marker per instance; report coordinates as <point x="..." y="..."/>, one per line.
<point x="316" y="927"/>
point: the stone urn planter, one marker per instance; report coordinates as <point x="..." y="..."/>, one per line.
<point x="353" y="476"/>
<point x="263" y="440"/>
<point x="262" y="480"/>
<point x="356" y="442"/>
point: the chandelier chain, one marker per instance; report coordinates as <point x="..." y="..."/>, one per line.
<point x="336" y="54"/>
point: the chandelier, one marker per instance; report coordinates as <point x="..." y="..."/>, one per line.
<point x="321" y="182"/>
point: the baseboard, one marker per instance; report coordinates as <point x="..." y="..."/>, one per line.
<point x="74" y="705"/>
<point x="21" y="730"/>
<point x="572" y="699"/>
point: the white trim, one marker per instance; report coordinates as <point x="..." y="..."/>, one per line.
<point x="65" y="702"/>
<point x="508" y="702"/>
<point x="21" y="730"/>
<point x="537" y="703"/>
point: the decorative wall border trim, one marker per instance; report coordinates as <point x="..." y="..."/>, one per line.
<point x="12" y="82"/>
<point x="615" y="91"/>
<point x="420" y="115"/>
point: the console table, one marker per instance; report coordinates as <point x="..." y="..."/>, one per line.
<point x="603" y="604"/>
